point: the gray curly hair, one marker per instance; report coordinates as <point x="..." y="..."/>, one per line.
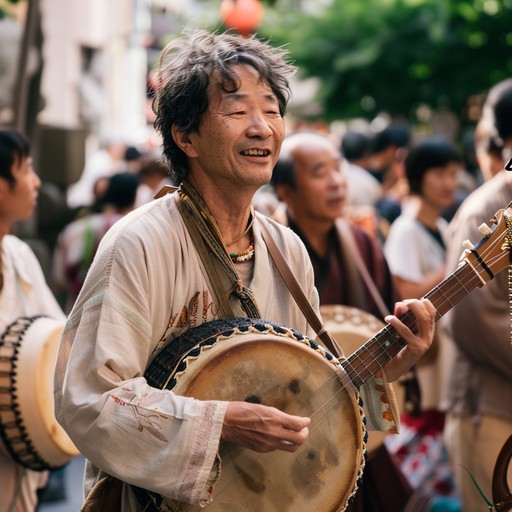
<point x="186" y="65"/>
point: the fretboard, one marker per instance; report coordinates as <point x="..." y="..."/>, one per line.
<point x="380" y="349"/>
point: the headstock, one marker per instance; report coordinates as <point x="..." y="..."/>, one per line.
<point x="493" y="253"/>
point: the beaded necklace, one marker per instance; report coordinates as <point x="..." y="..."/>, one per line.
<point x="239" y="257"/>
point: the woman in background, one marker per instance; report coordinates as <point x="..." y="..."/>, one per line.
<point x="415" y="251"/>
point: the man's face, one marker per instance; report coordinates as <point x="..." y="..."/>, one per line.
<point x="319" y="194"/>
<point x="240" y="135"/>
<point x="17" y="202"/>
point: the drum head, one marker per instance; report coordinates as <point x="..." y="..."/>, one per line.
<point x="274" y="368"/>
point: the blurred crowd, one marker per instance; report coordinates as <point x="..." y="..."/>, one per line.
<point x="421" y="202"/>
<point x="116" y="179"/>
<point x="407" y="202"/>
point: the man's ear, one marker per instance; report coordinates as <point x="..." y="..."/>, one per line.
<point x="183" y="140"/>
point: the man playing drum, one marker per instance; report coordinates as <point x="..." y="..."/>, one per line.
<point x="23" y="292"/>
<point x="219" y="106"/>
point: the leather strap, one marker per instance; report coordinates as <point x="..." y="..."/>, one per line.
<point x="348" y="240"/>
<point x="297" y="292"/>
<point x="225" y="309"/>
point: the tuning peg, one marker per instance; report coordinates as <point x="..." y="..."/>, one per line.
<point x="468" y="247"/>
<point x="485" y="229"/>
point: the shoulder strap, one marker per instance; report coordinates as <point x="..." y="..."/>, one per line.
<point x="297" y="292"/>
<point x="223" y="304"/>
<point x="348" y="239"/>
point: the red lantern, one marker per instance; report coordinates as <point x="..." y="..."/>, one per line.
<point x="242" y="15"/>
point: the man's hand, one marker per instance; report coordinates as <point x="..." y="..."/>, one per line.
<point x="417" y="343"/>
<point x="263" y="429"/>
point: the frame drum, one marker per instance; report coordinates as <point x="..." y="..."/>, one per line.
<point x="29" y="432"/>
<point x="264" y="362"/>
<point x="351" y="328"/>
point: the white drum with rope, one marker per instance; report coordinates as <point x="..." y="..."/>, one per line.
<point x="29" y="432"/>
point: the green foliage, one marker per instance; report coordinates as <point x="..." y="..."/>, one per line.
<point x="4" y="7"/>
<point x="393" y="55"/>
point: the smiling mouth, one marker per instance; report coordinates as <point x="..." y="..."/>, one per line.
<point x="255" y="152"/>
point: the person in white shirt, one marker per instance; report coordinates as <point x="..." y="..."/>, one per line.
<point x="415" y="251"/>
<point x="23" y="292"/>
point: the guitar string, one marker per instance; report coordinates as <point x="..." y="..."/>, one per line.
<point x="386" y="332"/>
<point x="371" y="359"/>
<point x="449" y="291"/>
<point x="324" y="411"/>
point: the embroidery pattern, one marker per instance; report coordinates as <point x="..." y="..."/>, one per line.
<point x="387" y="414"/>
<point x="146" y="420"/>
<point x="188" y="316"/>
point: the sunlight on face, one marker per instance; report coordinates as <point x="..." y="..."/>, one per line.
<point x="240" y="135"/>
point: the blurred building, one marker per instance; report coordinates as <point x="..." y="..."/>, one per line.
<point x="72" y="73"/>
<point x="80" y="69"/>
<point x="95" y="65"/>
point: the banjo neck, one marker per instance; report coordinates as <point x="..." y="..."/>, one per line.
<point x="380" y="349"/>
<point x="253" y="360"/>
<point x="479" y="265"/>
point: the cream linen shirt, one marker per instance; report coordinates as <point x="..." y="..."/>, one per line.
<point x="146" y="283"/>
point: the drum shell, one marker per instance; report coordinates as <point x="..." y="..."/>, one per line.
<point x="30" y="433"/>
